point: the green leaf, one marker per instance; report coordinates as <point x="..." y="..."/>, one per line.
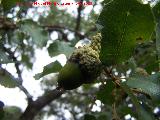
<point x="7" y="5"/>
<point x="4" y="58"/>
<point x="26" y="61"/>
<point x="60" y="47"/>
<point x="17" y="37"/>
<point x="50" y="68"/>
<point x="124" y="110"/>
<point x="12" y="112"/>
<point x="156" y="11"/>
<point x="145" y="51"/>
<point x="105" y="94"/>
<point x="128" y="65"/>
<point x="89" y="117"/>
<point x="148" y="84"/>
<point x="7" y="80"/>
<point x="104" y="116"/>
<point x="122" y="23"/>
<point x="158" y="40"/>
<point x="39" y="36"/>
<point x="142" y="113"/>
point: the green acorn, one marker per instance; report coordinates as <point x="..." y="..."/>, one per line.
<point x="83" y="66"/>
<point x="70" y="77"/>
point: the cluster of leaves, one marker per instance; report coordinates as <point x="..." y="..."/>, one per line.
<point x="130" y="49"/>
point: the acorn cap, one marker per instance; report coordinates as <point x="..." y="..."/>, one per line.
<point x="88" y="61"/>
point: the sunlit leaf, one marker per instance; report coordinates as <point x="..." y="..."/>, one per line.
<point x="39" y="36"/>
<point x="60" y="47"/>
<point x="148" y="84"/>
<point x="50" y="68"/>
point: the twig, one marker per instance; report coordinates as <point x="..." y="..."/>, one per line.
<point x="114" y="113"/>
<point x="19" y="80"/>
<point x="117" y="80"/>
<point x="114" y="78"/>
<point x="78" y="20"/>
<point x="140" y="91"/>
<point x="6" y="24"/>
<point x="58" y="28"/>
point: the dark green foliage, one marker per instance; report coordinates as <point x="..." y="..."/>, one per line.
<point x="7" y="5"/>
<point x="122" y="23"/>
<point x="89" y="117"/>
<point x="105" y="94"/>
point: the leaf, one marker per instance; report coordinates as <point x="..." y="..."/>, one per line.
<point x="89" y="117"/>
<point x="7" y="5"/>
<point x="26" y="61"/>
<point x="105" y="94"/>
<point x="149" y="85"/>
<point x="50" y="68"/>
<point x="123" y="22"/>
<point x="128" y="65"/>
<point x="156" y="11"/>
<point x="142" y="113"/>
<point x="12" y="112"/>
<point x="4" y="58"/>
<point x="145" y="51"/>
<point x="39" y="36"/>
<point x="7" y="80"/>
<point x="60" y="47"/>
<point x="158" y="40"/>
<point x="124" y="110"/>
<point x="17" y="37"/>
<point x="104" y="116"/>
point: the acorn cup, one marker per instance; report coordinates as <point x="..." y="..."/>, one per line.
<point x="83" y="66"/>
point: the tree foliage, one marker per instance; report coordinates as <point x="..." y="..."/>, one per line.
<point x="129" y="82"/>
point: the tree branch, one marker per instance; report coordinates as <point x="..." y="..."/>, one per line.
<point x="58" y="28"/>
<point x="35" y="106"/>
<point x="117" y="81"/>
<point x="19" y="80"/>
<point x="78" y="20"/>
<point x="5" y="24"/>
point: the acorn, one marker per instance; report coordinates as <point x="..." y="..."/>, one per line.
<point x="70" y="77"/>
<point x="83" y="66"/>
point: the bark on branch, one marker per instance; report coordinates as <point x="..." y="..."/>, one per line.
<point x="35" y="106"/>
